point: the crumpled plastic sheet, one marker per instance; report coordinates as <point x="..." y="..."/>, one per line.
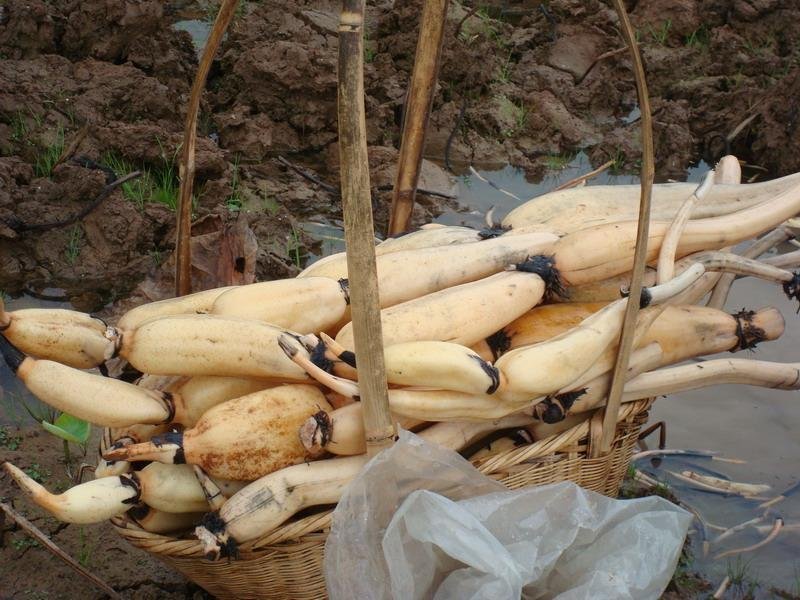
<point x="421" y="522"/>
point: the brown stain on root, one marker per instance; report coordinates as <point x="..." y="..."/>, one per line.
<point x="247" y="438"/>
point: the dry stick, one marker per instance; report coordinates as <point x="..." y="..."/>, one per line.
<point x="417" y="112"/>
<point x="475" y="172"/>
<point x="603" y="56"/>
<point x="307" y="175"/>
<point x="611" y="412"/>
<point x="723" y="587"/>
<point x="471" y="12"/>
<point x="104" y="193"/>
<point x="359" y="230"/>
<point x="183" y="263"/>
<point x="669" y="246"/>
<point x="73" y="146"/>
<point x="776" y="529"/>
<point x="789" y="492"/>
<point x="720" y="294"/>
<point x="737" y="528"/>
<point x="575" y="181"/>
<point x="51" y="547"/>
<point x="783" y="261"/>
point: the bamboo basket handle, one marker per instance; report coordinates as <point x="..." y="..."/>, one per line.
<point x="647" y="175"/>
<point x="183" y="246"/>
<point x="417" y="113"/>
<point x="359" y="230"/>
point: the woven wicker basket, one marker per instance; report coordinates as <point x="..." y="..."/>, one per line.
<point x="287" y="563"/>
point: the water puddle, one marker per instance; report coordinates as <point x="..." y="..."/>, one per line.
<point x="198" y="29"/>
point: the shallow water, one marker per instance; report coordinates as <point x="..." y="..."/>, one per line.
<point x="13" y="394"/>
<point x="198" y="29"/>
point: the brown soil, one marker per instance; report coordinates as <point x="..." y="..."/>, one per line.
<point x="29" y="571"/>
<point x="519" y="83"/>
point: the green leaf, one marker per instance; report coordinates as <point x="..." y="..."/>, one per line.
<point x="69" y="428"/>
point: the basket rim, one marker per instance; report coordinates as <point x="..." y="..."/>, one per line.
<point x="313" y="528"/>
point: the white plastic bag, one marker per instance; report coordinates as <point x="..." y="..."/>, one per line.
<point x="422" y="522"/>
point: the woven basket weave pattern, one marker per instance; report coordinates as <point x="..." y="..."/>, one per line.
<point x="287" y="563"/>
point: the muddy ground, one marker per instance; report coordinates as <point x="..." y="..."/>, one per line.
<point x="28" y="571"/>
<point x="102" y="84"/>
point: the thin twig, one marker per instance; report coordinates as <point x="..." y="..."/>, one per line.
<point x="790" y="491"/>
<point x="603" y="56"/>
<point x="640" y="255"/>
<point x="720" y="294"/>
<point x="73" y="145"/>
<point x="493" y="184"/>
<point x="776" y="529"/>
<point x="452" y="136"/>
<point x="738" y="129"/>
<point x="423" y="191"/>
<point x="183" y="262"/>
<point x="471" y="12"/>
<point x="736" y="528"/>
<point x="723" y="587"/>
<point x="573" y="182"/>
<point x="51" y="547"/>
<point x="104" y="193"/>
<point x="307" y="175"/>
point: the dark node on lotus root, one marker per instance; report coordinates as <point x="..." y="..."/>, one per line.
<point x="645" y="298"/>
<point x="567" y="399"/>
<point x="494" y="231"/>
<point x="169" y="402"/>
<point x="748" y="336"/>
<point x="545" y="267"/>
<point x="555" y="408"/>
<point x="348" y="358"/>
<point x="172" y="438"/>
<point x="552" y="411"/>
<point x="132" y="481"/>
<point x="345" y="285"/>
<point x="499" y="343"/>
<point x="324" y="427"/>
<point x="139" y="512"/>
<point x="491" y="371"/>
<point x="318" y="357"/>
<point x="521" y="437"/>
<point x="792" y="288"/>
<point x="213" y="522"/>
